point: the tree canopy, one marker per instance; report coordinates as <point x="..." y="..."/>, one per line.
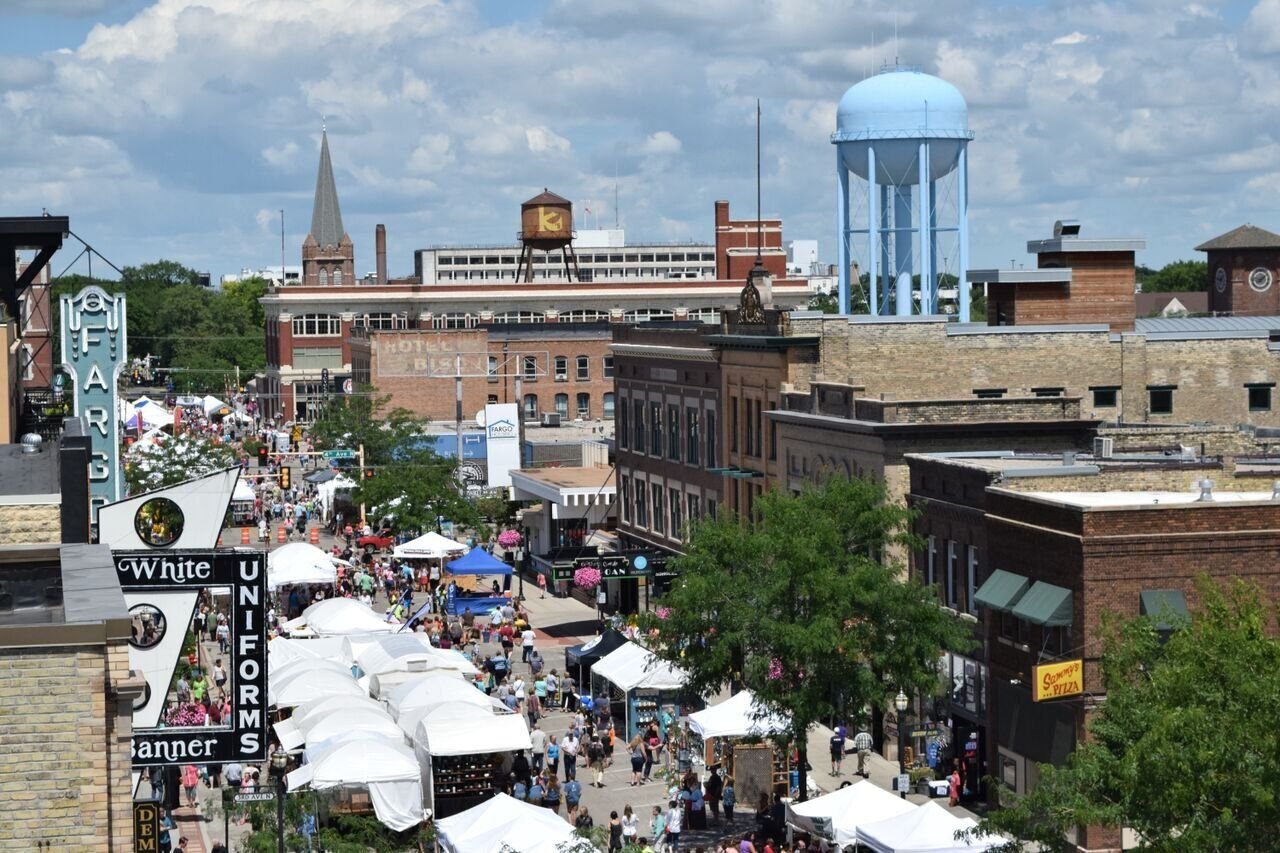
<point x="1178" y="276"/>
<point x="173" y="460"/>
<point x="1184" y="750"/>
<point x="803" y="608"/>
<point x="366" y="419"/>
<point x="419" y="488"/>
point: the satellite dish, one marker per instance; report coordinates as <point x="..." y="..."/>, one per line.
<point x="480" y="418"/>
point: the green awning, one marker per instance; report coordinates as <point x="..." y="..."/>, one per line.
<point x="1002" y="590"/>
<point x="1168" y="607"/>
<point x="1045" y="604"/>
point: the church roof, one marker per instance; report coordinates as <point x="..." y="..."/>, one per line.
<point x="1245" y="237"/>
<point x="326" y="216"/>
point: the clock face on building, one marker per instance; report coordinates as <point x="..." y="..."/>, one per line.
<point x="1260" y="279"/>
<point x="1220" y="280"/>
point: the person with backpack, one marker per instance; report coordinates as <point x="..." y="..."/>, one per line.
<point x="595" y="758"/>
<point x="572" y="796"/>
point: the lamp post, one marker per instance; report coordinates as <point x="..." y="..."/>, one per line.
<point x="280" y="760"/>
<point x="900" y="704"/>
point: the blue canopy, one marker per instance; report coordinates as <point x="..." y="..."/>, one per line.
<point x="478" y="561"/>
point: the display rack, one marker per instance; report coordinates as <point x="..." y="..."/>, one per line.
<point x="459" y="781"/>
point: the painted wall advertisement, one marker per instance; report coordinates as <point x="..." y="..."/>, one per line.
<point x="94" y="350"/>
<point x="502" y="438"/>
<point x="1057" y="680"/>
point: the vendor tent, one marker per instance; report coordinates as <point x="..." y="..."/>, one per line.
<point x="460" y="730"/>
<point x="435" y="688"/>
<point x="347" y="704"/>
<point x="588" y="653"/>
<point x="478" y="561"/>
<point x="283" y="650"/>
<point x="409" y="718"/>
<point x="837" y="816"/>
<point x="315" y="685"/>
<point x="925" y="829"/>
<point x="502" y="823"/>
<point x="242" y="492"/>
<point x="212" y="405"/>
<point x="341" y="616"/>
<point x="389" y="770"/>
<point x="407" y="652"/>
<point x="429" y="546"/>
<point x="148" y="413"/>
<point x="318" y="728"/>
<point x="299" y="563"/>
<point x="737" y="716"/>
<point x="282" y="675"/>
<point x="631" y="666"/>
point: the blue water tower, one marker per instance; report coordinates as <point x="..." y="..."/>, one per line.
<point x="903" y="134"/>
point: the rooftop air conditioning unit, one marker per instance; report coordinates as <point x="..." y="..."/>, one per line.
<point x="1103" y="448"/>
<point x="551" y="419"/>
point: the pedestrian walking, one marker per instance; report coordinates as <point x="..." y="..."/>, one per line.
<point x="863" y="743"/>
<point x="630" y="826"/>
<point x="569" y="748"/>
<point x="615" y="833"/>
<point x="538" y="742"/>
<point x="729" y="799"/>
<point x="595" y="758"/>
<point x="837" y="752"/>
<point x="527" y="638"/>
<point x="190" y="782"/>
<point x="953" y="785"/>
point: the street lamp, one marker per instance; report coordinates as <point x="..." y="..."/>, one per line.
<point x="279" y="761"/>
<point x="900" y="703"/>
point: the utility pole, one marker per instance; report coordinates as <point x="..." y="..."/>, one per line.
<point x="360" y="458"/>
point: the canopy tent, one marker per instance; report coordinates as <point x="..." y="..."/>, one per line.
<point x="837" y="816"/>
<point x="631" y="666"/>
<point x="502" y="823"/>
<point x="282" y="675"/>
<point x="341" y="616"/>
<point x="283" y="650"/>
<point x="299" y="563"/>
<point x="348" y="704"/>
<point x="925" y="829"/>
<point x="212" y="405"/>
<point x="429" y="546"/>
<point x="147" y="412"/>
<point x="325" y="492"/>
<point x="389" y="770"/>
<point x="478" y="561"/>
<point x="737" y="716"/>
<point x="244" y="492"/>
<point x="462" y="730"/>
<point x="409" y="718"/>
<point x="318" y="728"/>
<point x="433" y="689"/>
<point x="588" y="653"/>
<point x="315" y="685"/>
<point x="407" y="652"/>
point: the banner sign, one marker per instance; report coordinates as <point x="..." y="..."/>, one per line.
<point x="1056" y="680"/>
<point x="244" y="571"/>
<point x="94" y="351"/>
<point x="146" y="827"/>
<point x="502" y="442"/>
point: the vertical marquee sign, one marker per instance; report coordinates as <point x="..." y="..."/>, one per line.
<point x="93" y="353"/>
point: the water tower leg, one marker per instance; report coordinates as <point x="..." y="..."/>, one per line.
<point x="962" y="214"/>
<point x="902" y="248"/>
<point x="842" y="234"/>
<point x="933" y="248"/>
<point x="886" y="268"/>
<point x="873" y="235"/>
<point x="926" y="231"/>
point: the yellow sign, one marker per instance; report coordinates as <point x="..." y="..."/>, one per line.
<point x="1056" y="680"/>
<point x="550" y="219"/>
<point x="146" y="827"/>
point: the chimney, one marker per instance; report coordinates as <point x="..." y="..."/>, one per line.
<point x="380" y="240"/>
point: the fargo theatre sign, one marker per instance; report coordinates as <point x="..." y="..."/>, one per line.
<point x="152" y="578"/>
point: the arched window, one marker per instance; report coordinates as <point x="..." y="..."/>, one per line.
<point x="562" y="405"/>
<point x="584" y="406"/>
<point x="562" y="368"/>
<point x="644" y="315"/>
<point x="337" y="278"/>
<point x="530" y="407"/>
<point x="324" y="278"/>
<point x="584" y="368"/>
<point x="316" y="325"/>
<point x="608" y="413"/>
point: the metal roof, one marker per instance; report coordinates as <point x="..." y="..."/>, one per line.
<point x="1174" y="328"/>
<point x="1245" y="237"/>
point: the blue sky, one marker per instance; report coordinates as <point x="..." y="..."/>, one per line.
<point x="179" y="128"/>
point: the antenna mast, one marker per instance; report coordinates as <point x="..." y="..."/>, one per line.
<point x="759" y="224"/>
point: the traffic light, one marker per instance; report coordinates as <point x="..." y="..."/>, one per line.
<point x="285" y="480"/>
<point x="262" y="456"/>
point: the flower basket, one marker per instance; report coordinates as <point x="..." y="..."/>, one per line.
<point x="587" y="577"/>
<point x="509" y="539"/>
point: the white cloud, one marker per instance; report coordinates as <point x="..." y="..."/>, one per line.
<point x="543" y="140"/>
<point x="1076" y="37"/>
<point x="282" y="156"/>
<point x="661" y="142"/>
<point x="431" y="154"/>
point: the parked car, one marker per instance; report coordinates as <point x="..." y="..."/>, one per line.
<point x="380" y="541"/>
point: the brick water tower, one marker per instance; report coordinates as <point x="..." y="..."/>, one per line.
<point x="546" y="225"/>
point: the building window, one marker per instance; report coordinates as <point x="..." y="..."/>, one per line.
<point x="584" y="406"/>
<point x="989" y="393"/>
<point x="492" y="368"/>
<point x="1260" y="397"/>
<point x="751" y="423"/>
<point x="324" y="278"/>
<point x="1048" y="392"/>
<point x="733" y="425"/>
<point x="1104" y="396"/>
<point x="317" y="325"/>
<point x="584" y="315"/>
<point x="562" y="405"/>
<point x="337" y="278"/>
<point x="608" y="409"/>
<point x="624" y="421"/>
<point x="584" y="368"/>
<point x="691" y="435"/>
<point x="711" y="508"/>
<point x="673" y="432"/>
<point x="659" y="514"/>
<point x="562" y="368"/>
<point x="642" y="513"/>
<point x="531" y="407"/>
<point x="1160" y="399"/>
<point x="638" y="411"/>
<point x="655" y="429"/>
<point x="693" y="508"/>
<point x="931" y="562"/>
<point x="773" y="440"/>
<point x="624" y="497"/>
<point x="952" y="567"/>
<point x="317" y="358"/>
<point x="677" y="508"/>
<point x="608" y="367"/>
<point x="28" y="360"/>
<point x="711" y="439"/>
<point x="972" y="586"/>
<point x="529" y="367"/>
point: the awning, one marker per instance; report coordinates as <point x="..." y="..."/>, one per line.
<point x="1002" y="590"/>
<point x="1045" y="604"/>
<point x="1167" y="607"/>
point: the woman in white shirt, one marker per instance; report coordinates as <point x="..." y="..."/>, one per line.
<point x="630" y="826"/>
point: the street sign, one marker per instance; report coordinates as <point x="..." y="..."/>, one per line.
<point x="256" y="797"/>
<point x="902" y="783"/>
<point x="926" y="730"/>
<point x="339" y="454"/>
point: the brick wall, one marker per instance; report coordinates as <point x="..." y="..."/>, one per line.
<point x="29" y="524"/>
<point x="64" y="750"/>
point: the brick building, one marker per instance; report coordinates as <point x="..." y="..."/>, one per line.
<point x="1243" y="266"/>
<point x="1034" y="548"/>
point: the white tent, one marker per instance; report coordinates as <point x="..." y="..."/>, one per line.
<point x="925" y="829"/>
<point x="299" y="563"/>
<point x="318" y="728"/>
<point x="504" y="822"/>
<point x="462" y="730"/>
<point x="283" y="650"/>
<point x="407" y="651"/>
<point x="286" y="673"/>
<point x="150" y="413"/>
<point x="409" y="718"/>
<point x="341" y="616"/>
<point x="211" y="404"/>
<point x="737" y="716"/>
<point x="315" y="685"/>
<point x="631" y="666"/>
<point x="389" y="770"/>
<point x="243" y="492"/>
<point x="435" y="688"/>
<point x="837" y="816"/>
<point x="347" y="704"/>
<point x="326" y="491"/>
<point x="428" y="546"/>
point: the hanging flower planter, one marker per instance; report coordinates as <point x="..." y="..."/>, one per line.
<point x="587" y="577"/>
<point x="510" y="539"/>
<point x="664" y="612"/>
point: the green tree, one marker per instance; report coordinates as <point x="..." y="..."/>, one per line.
<point x="418" y="487"/>
<point x="1175" y="277"/>
<point x="175" y="459"/>
<point x="827" y="303"/>
<point x="1183" y="750"/>
<point x="804" y="607"/>
<point x="364" y="419"/>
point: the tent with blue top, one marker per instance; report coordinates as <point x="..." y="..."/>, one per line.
<point x="478" y="561"/>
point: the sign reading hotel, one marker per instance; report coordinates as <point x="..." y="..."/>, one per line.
<point x="1057" y="680"/>
<point x="93" y="353"/>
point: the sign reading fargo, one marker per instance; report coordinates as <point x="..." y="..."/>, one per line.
<point x="1056" y="680"/>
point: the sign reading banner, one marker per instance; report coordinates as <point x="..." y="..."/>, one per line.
<point x="94" y="350"/>
<point x="245" y="572"/>
<point x="1056" y="680"/>
<point x="502" y="438"/>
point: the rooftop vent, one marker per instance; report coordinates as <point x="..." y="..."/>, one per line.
<point x="1066" y="228"/>
<point x="32" y="443"/>
<point x="1275" y="491"/>
<point x="1206" y="489"/>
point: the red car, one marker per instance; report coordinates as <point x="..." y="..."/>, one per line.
<point x="381" y="541"/>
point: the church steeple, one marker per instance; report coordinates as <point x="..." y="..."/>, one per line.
<point x="326" y="216"/>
